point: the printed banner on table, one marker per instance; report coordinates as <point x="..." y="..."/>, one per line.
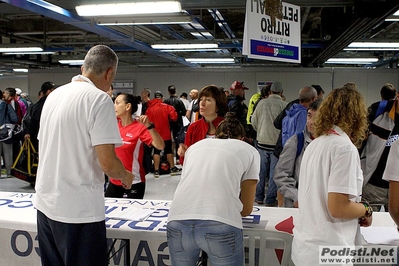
<point x="147" y="238"/>
<point x="269" y="38"/>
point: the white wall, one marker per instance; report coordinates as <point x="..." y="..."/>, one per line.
<point x="17" y="81"/>
<point x="369" y="81"/>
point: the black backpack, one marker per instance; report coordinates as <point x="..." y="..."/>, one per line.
<point x="27" y="120"/>
<point x="181" y="135"/>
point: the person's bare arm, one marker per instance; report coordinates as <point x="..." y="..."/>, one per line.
<point x="157" y="140"/>
<point x="248" y="189"/>
<point x="341" y="207"/>
<point x="112" y="166"/>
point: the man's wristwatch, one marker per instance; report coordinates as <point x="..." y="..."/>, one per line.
<point x="151" y="126"/>
<point x="369" y="209"/>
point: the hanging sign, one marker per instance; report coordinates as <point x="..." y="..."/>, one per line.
<point x="272" y="31"/>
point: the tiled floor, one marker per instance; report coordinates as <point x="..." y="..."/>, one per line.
<point x="162" y="188"/>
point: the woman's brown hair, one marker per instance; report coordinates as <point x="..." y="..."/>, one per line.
<point x="218" y="95"/>
<point x="230" y="128"/>
<point x="343" y="107"/>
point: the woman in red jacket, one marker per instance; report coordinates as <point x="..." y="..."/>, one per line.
<point x="212" y="107"/>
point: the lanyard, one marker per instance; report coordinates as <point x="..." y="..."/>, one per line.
<point x="332" y="131"/>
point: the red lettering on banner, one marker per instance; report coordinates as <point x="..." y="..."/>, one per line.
<point x="263" y="49"/>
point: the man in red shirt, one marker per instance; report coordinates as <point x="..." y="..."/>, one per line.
<point x="161" y="114"/>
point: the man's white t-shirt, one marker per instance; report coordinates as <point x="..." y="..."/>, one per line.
<point x="211" y="180"/>
<point x="185" y="102"/>
<point x="330" y="164"/>
<point x="70" y="182"/>
<point x="391" y="172"/>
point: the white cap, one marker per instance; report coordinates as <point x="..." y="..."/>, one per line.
<point x="18" y="91"/>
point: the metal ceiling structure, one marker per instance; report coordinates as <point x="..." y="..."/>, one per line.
<point x="327" y="27"/>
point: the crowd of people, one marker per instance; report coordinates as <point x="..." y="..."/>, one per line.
<point x="316" y="155"/>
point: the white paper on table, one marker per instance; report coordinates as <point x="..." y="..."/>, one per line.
<point x="249" y="224"/>
<point x="185" y="121"/>
<point x="380" y="235"/>
<point x="131" y="214"/>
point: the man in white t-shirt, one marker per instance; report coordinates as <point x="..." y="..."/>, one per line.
<point x="77" y="138"/>
<point x="183" y="98"/>
<point x="391" y="174"/>
<point x="191" y="114"/>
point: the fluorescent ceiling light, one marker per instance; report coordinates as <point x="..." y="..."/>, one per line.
<point x="28" y="53"/>
<point x="355" y="61"/>
<point x="189" y="50"/>
<point x="186" y="46"/>
<point x="373" y="46"/>
<point x="20" y="49"/>
<point x="145" y="20"/>
<point x="121" y="9"/>
<point x="71" y="62"/>
<point x="24" y="70"/>
<point x="211" y="60"/>
<point x="371" y="49"/>
<point x="394" y="17"/>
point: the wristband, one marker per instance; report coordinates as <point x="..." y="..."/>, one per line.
<point x="369" y="209"/>
<point x="151" y="126"/>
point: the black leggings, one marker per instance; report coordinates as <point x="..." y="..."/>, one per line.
<point x="135" y="192"/>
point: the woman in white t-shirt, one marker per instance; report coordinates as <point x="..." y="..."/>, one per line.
<point x="216" y="190"/>
<point x="329" y="195"/>
<point x="391" y="174"/>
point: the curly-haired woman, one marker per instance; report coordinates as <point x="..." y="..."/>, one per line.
<point x="330" y="207"/>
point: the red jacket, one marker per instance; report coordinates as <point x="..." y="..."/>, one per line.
<point x="197" y="131"/>
<point x="161" y="114"/>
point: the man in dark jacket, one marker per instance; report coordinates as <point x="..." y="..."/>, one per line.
<point x="31" y="121"/>
<point x="236" y="102"/>
<point x="180" y="110"/>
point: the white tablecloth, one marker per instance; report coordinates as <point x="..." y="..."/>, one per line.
<point x="19" y="246"/>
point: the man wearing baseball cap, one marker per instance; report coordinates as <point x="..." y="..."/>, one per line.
<point x="236" y="101"/>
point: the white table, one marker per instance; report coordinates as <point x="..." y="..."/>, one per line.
<point x="148" y="246"/>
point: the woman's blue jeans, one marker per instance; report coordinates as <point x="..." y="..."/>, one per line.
<point x="223" y="243"/>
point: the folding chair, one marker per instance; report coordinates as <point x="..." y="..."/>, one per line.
<point x="262" y="239"/>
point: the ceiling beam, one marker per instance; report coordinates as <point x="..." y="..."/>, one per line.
<point x="218" y="4"/>
<point x="354" y="31"/>
<point x="222" y="4"/>
<point x="58" y="13"/>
